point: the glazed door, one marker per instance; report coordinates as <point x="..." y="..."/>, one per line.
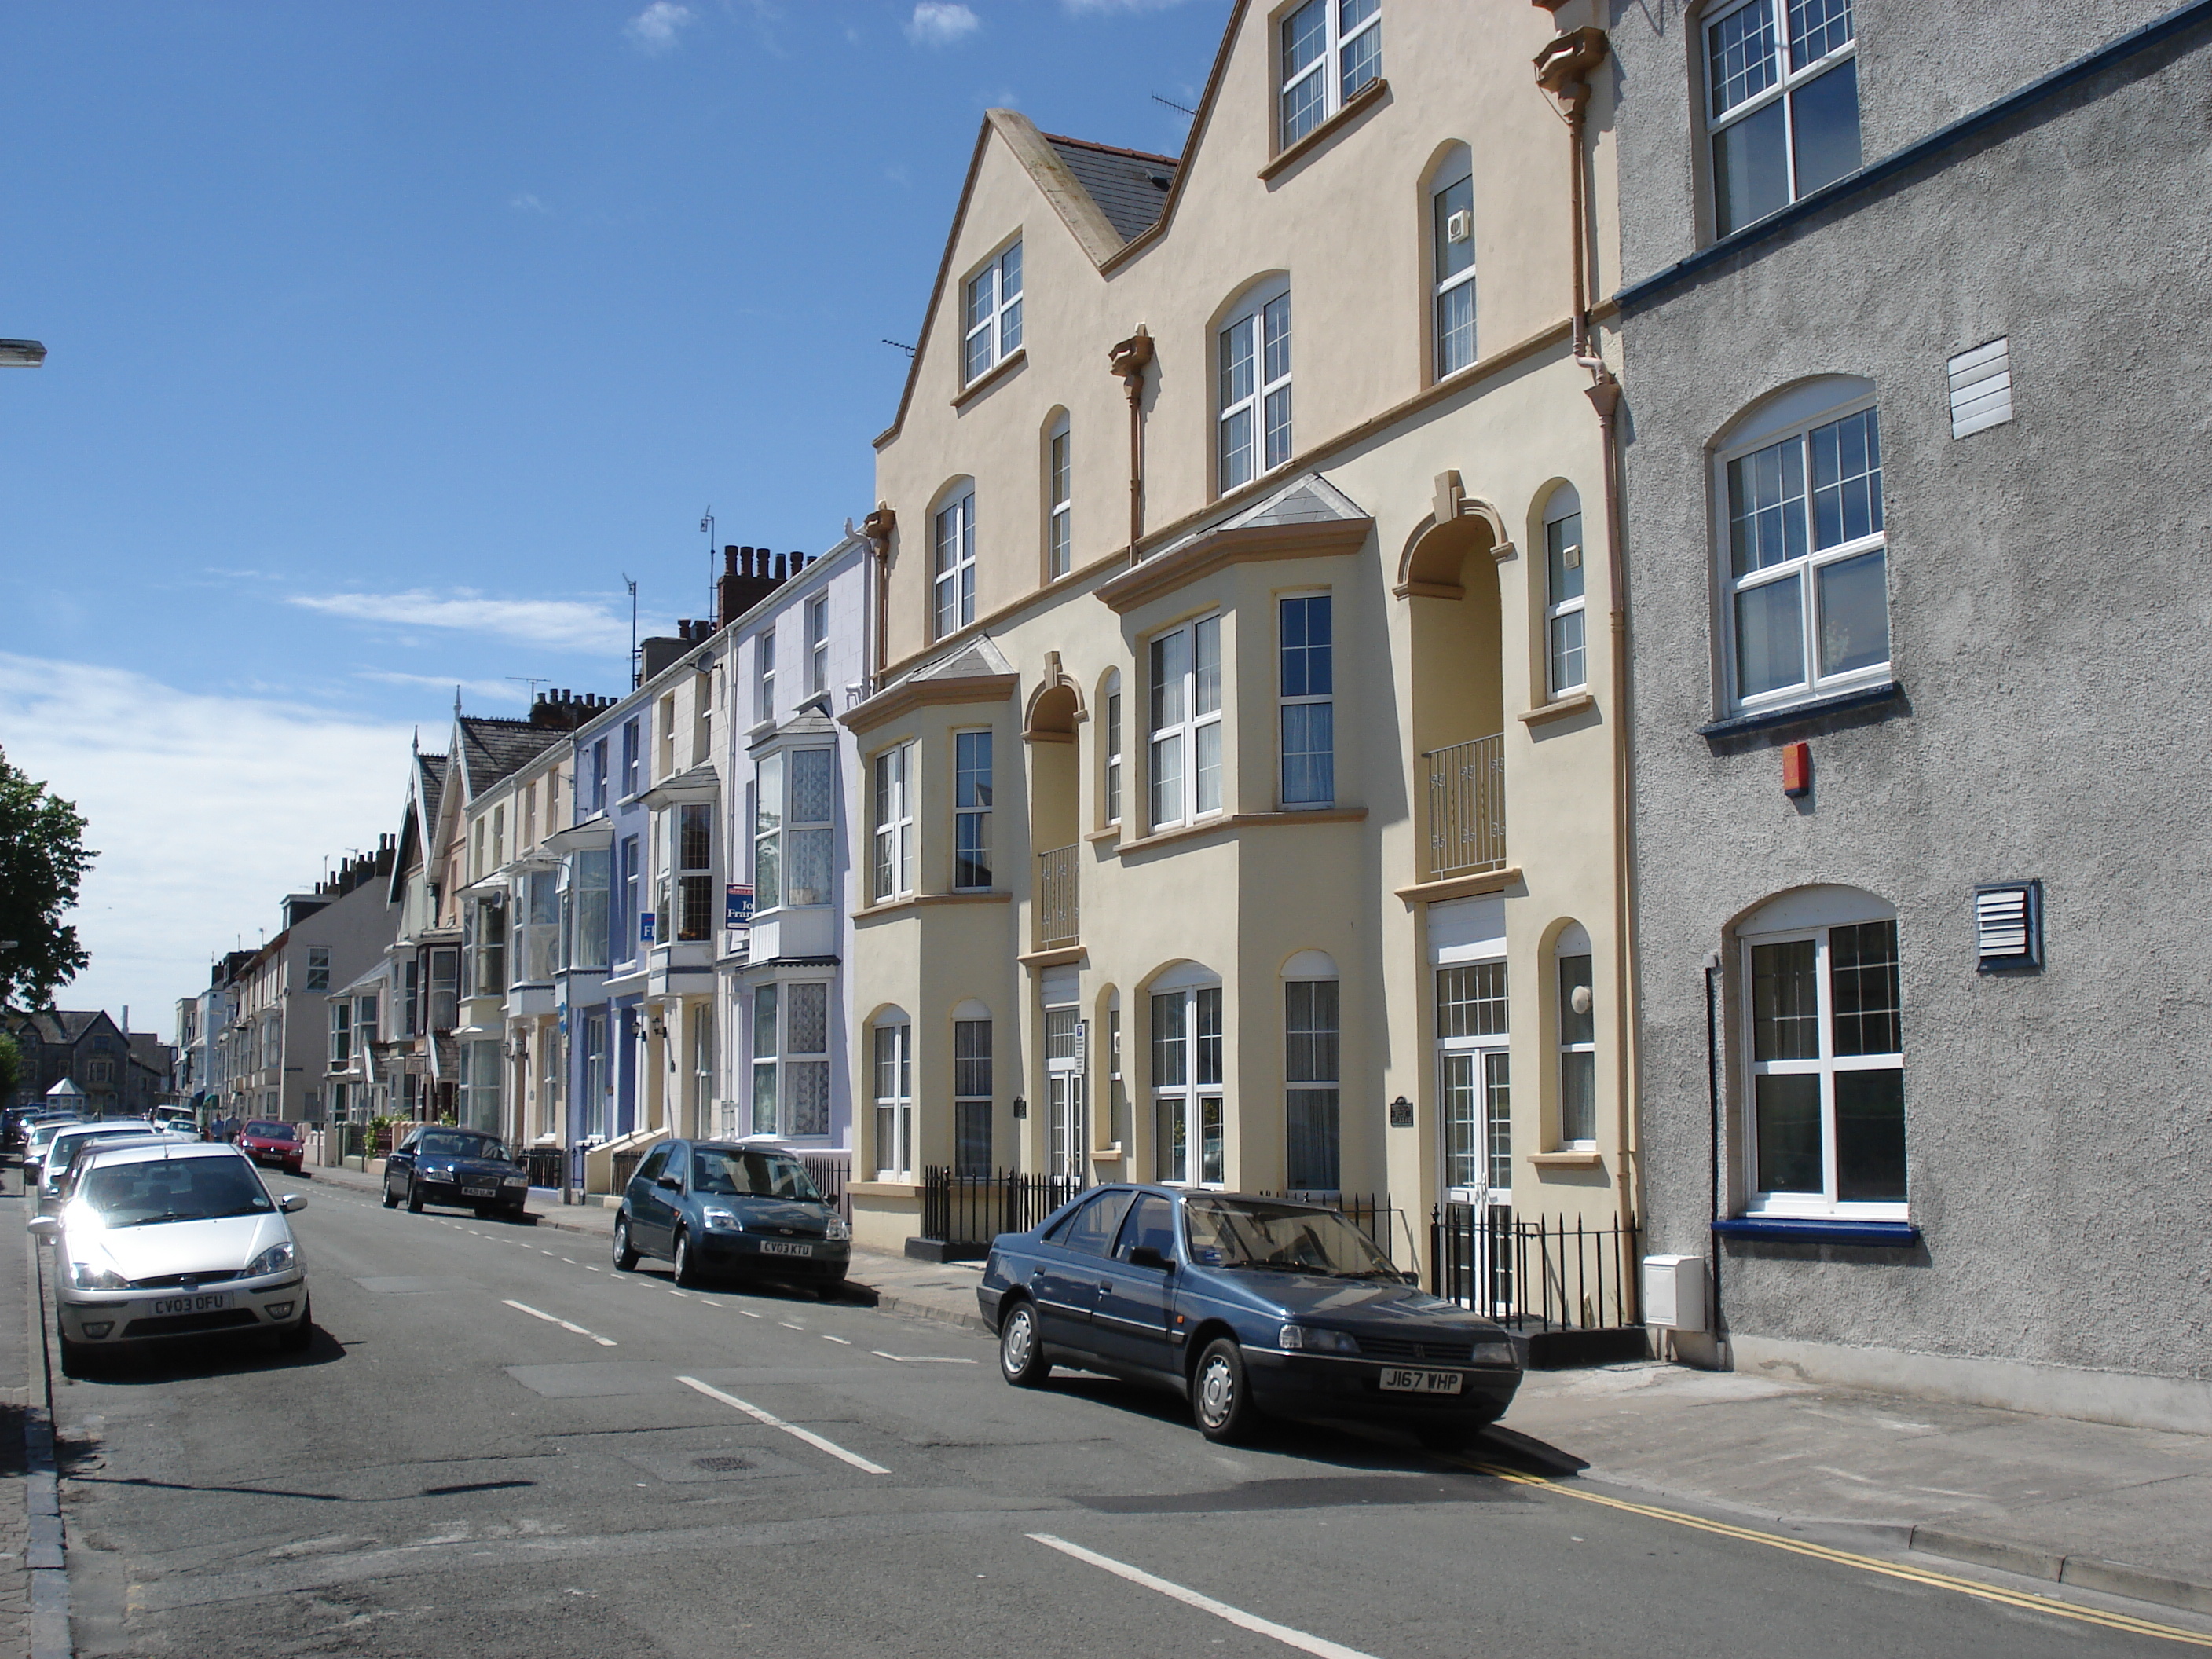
<point x="1069" y="1126"/>
<point x="1478" y="1162"/>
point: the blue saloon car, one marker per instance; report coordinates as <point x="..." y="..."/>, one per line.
<point x="1249" y="1307"/>
<point x="716" y="1208"/>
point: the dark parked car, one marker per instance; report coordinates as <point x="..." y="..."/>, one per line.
<point x="1246" y="1306"/>
<point x="463" y="1166"/>
<point x="22" y="1119"/>
<point x="716" y="1207"/>
<point x="271" y="1141"/>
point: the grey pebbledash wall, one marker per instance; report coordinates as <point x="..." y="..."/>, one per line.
<point x="2050" y="627"/>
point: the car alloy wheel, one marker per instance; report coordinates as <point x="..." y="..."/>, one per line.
<point x="625" y="1257"/>
<point x="1218" y="1397"/>
<point x="1021" y="1355"/>
<point x="414" y="1196"/>
<point x="391" y="1198"/>
<point x="687" y="1269"/>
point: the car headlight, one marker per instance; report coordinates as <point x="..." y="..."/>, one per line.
<point x="273" y="1260"/>
<point x="1316" y="1341"/>
<point x="1494" y="1353"/>
<point x="517" y="1181"/>
<point x="84" y="1276"/>
<point x="439" y="1171"/>
<point x="839" y="1228"/>
<point x="723" y="1221"/>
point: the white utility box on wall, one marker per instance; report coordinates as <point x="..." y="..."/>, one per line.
<point x="1674" y="1291"/>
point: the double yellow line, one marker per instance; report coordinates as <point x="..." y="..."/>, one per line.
<point x="2025" y="1600"/>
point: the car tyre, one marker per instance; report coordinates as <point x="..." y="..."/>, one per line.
<point x="517" y="1214"/>
<point x="1021" y="1347"/>
<point x="391" y="1198"/>
<point x="413" y="1197"/>
<point x="1220" y="1394"/>
<point x="625" y="1257"/>
<point x="300" y="1335"/>
<point x="685" y="1261"/>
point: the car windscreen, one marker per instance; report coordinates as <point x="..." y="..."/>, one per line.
<point x="150" y="1190"/>
<point x="43" y="1136"/>
<point x="724" y="1173"/>
<point x="437" y="1146"/>
<point x="271" y="1130"/>
<point x="70" y="1148"/>
<point x="1243" y="1232"/>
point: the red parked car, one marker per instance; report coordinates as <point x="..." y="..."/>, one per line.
<point x="267" y="1141"/>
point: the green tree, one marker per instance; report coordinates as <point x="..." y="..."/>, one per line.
<point x="42" y="858"/>
<point x="11" y="1065"/>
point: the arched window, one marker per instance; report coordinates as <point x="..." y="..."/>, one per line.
<point x="1566" y="655"/>
<point x="1577" y="1029"/>
<point x="1823" y="1012"/>
<point x="892" y="1062"/>
<point x="1189" y="1145"/>
<point x="1253" y="403"/>
<point x="1310" y="1073"/>
<point x="953" y="568"/>
<point x="1058" y="502"/>
<point x="1110" y="744"/>
<point x="1451" y="258"/>
<point x="1803" y="552"/>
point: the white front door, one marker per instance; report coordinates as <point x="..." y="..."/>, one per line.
<point x="1477" y="1160"/>
<point x="1068" y="1125"/>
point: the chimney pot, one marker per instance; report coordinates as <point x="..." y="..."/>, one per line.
<point x="780" y="571"/>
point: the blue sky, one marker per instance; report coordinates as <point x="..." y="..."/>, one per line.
<point x="388" y="335"/>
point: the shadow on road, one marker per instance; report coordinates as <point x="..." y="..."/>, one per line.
<point x="185" y="1361"/>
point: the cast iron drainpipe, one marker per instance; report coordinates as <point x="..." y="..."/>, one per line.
<point x="1129" y="359"/>
<point x="1713" y="1110"/>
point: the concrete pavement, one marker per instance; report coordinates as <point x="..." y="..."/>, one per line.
<point x="2125" y="1510"/>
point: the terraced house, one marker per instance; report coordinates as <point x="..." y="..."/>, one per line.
<point x="1243" y="771"/>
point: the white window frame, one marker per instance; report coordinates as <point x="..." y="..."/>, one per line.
<point x="1350" y="44"/>
<point x="971" y="809"/>
<point x="1178" y="728"/>
<point x="974" y="1084"/>
<point x="1322" y="1072"/>
<point x="1489" y="1055"/>
<point x="1286" y="700"/>
<point x="991" y="327"/>
<point x="818" y="645"/>
<point x="1252" y="428"/>
<point x="1574" y="1053"/>
<point x="341" y="1034"/>
<point x="777" y="1061"/>
<point x="695" y="877"/>
<point x="1787" y="81"/>
<point x="1110" y="794"/>
<point x="952" y="584"/>
<point x="891" y="868"/>
<point x="891" y="1067"/>
<point x="1445" y="290"/>
<point x="1827" y="1064"/>
<point x="319" y="964"/>
<point x="1806" y="567"/>
<point x="1060" y="501"/>
<point x="1566" y="615"/>
<point x="764" y="675"/>
<point x="1191" y="1104"/>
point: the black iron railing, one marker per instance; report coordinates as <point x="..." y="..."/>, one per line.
<point x="1547" y="1271"/>
<point x="1373" y="1214"/>
<point x="543" y="1163"/>
<point x="965" y="1213"/>
<point x="833" y="1174"/>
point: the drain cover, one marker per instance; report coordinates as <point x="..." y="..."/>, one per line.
<point x="723" y="1465"/>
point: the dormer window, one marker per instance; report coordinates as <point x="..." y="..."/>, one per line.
<point x="994" y="315"/>
<point x="1332" y="51"/>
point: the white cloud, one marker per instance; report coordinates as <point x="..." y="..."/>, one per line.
<point x="573" y="625"/>
<point x="527" y="202"/>
<point x="653" y="30"/>
<point x="205" y="810"/>
<point x="940" y="22"/>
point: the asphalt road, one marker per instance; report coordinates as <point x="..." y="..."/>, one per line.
<point x="492" y="1450"/>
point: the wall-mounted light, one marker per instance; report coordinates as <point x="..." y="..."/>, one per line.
<point x="1021" y="1107"/>
<point x="1401" y="1113"/>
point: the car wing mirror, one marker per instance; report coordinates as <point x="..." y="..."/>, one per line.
<point x="1144" y="1255"/>
<point x="291" y="1203"/>
<point x="674" y="1183"/>
<point x="44" y="1226"/>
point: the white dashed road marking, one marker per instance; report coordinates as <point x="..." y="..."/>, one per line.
<point x="1294" y="1638"/>
<point x="837" y="1340"/>
<point x="920" y="1359"/>
<point x="790" y="1429"/>
<point x="555" y="1319"/>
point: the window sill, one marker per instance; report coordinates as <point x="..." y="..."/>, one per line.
<point x="916" y="901"/>
<point x="1363" y="100"/>
<point x="1766" y="719"/>
<point x="1242" y="821"/>
<point x="1453" y="887"/>
<point x="1819" y="1230"/>
<point x="991" y="376"/>
<point x="1558" y="709"/>
<point x="1573" y="1159"/>
<point x="1060" y="956"/>
<point x="1111" y="832"/>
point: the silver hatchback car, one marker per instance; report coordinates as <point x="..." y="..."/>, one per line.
<point x="161" y="1239"/>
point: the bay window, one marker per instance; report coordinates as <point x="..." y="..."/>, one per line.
<point x="1307" y="682"/>
<point x="1183" y="752"/>
<point x="483" y="946"/>
<point x="790" y="1059"/>
<point x="541" y="927"/>
<point x="445" y="984"/>
<point x="341" y="1034"/>
<point x="971" y="810"/>
<point x="807" y="828"/>
<point x="893" y="829"/>
<point x="693" y="824"/>
<point x="587" y="909"/>
<point x="767" y="1000"/>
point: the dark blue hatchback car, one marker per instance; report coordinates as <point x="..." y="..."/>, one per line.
<point x="731" y="1207"/>
<point x="1249" y="1307"/>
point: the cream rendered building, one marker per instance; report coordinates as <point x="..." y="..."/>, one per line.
<point x="1231" y="554"/>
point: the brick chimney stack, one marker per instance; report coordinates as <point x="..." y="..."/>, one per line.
<point x="745" y="581"/>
